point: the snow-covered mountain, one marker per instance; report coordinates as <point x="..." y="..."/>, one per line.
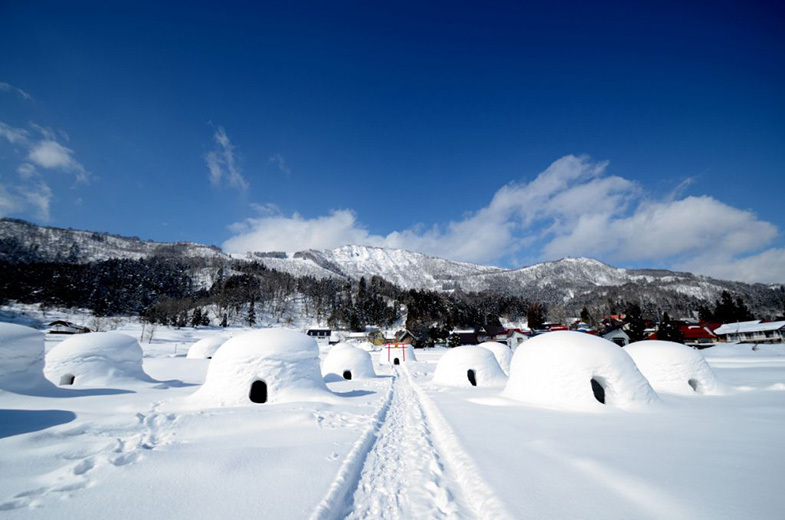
<point x="569" y="280"/>
<point x="24" y="241"/>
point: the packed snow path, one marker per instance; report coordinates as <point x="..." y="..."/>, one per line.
<point x="409" y="465"/>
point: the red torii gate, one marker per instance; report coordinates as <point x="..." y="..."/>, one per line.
<point x="396" y="346"/>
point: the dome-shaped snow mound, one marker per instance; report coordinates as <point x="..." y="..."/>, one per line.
<point x="366" y="346"/>
<point x="21" y="358"/>
<point x="576" y="371"/>
<point x="205" y="348"/>
<point x="96" y="358"/>
<point x="469" y="366"/>
<point x="501" y="352"/>
<point x="263" y="366"/>
<point x="674" y="368"/>
<point x="348" y="362"/>
<point x="396" y="354"/>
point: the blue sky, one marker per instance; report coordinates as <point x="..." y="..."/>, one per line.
<point x="642" y="134"/>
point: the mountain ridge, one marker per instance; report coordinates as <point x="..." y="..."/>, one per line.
<point x="567" y="281"/>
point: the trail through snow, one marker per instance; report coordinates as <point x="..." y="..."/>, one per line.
<point x="409" y="464"/>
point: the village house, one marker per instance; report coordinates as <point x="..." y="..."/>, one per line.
<point x="752" y="332"/>
<point x="66" y="327"/>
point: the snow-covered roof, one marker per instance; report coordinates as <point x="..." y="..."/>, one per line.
<point x="749" y="326"/>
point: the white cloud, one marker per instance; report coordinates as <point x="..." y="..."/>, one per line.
<point x="221" y="163"/>
<point x="45" y="152"/>
<point x="6" y="87"/>
<point x="32" y="198"/>
<point x="573" y="208"/>
<point x="280" y="162"/>
<point x="18" y="136"/>
<point x="31" y="193"/>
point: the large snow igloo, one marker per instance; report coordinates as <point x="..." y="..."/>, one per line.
<point x="22" y="359"/>
<point x="396" y="354"/>
<point x="205" y="348"/>
<point x="95" y="359"/>
<point x="576" y="371"/>
<point x="674" y="368"/>
<point x="347" y="362"/>
<point x="467" y="367"/>
<point x="501" y="352"/>
<point x="264" y="366"/>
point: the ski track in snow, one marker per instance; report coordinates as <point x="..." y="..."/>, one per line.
<point x="399" y="469"/>
<point x="104" y="446"/>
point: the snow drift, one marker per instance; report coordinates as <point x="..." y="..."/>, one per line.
<point x="21" y="359"/>
<point x="348" y="362"/>
<point x="95" y="359"/>
<point x="501" y="352"/>
<point x="467" y="367"/>
<point x="576" y="371"/>
<point x="674" y="368"/>
<point x="396" y="354"/>
<point x="263" y="366"/>
<point x="205" y="348"/>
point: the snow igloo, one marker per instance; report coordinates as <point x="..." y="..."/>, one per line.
<point x="95" y="359"/>
<point x="501" y="352"/>
<point x="467" y="367"/>
<point x="392" y="354"/>
<point x="205" y="348"/>
<point x="264" y="366"/>
<point x="674" y="368"/>
<point x="347" y="362"/>
<point x="21" y="359"/>
<point x="576" y="371"/>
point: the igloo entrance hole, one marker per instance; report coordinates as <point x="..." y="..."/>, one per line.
<point x="67" y="379"/>
<point x="347" y="374"/>
<point x="695" y="385"/>
<point x="258" y="393"/>
<point x="471" y="376"/>
<point x="598" y="390"/>
<point x="396" y="361"/>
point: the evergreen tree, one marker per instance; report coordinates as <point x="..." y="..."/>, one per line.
<point x="251" y="314"/>
<point x="536" y="315"/>
<point x="669" y="330"/>
<point x="585" y="316"/>
<point x="196" y="318"/>
<point x="635" y="325"/>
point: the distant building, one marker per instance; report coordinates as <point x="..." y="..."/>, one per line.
<point x="320" y="334"/>
<point x="752" y="332"/>
<point x="617" y="336"/>
<point x="515" y="337"/>
<point x="466" y="336"/>
<point x="66" y="327"/>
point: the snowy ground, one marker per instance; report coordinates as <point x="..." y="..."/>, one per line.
<point x="397" y="446"/>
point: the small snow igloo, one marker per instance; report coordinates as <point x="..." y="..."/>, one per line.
<point x="347" y="362"/>
<point x="21" y="359"/>
<point x="501" y="352"/>
<point x="396" y="354"/>
<point x="205" y="348"/>
<point x="467" y="367"/>
<point x="674" y="368"/>
<point x="576" y="371"/>
<point x="264" y="366"/>
<point x="95" y="359"/>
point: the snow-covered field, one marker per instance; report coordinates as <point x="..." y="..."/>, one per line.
<point x="395" y="446"/>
